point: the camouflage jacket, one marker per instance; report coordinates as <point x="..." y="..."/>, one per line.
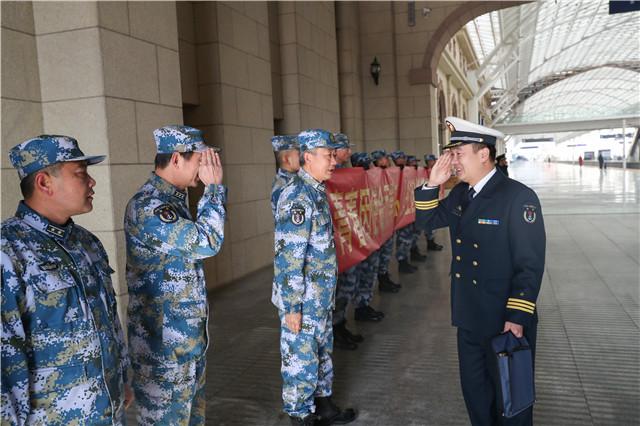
<point x="281" y="179"/>
<point x="305" y="266"/>
<point x="168" y="307"/>
<point x="64" y="360"/>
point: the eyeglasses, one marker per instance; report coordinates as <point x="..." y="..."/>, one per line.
<point x="328" y="156"/>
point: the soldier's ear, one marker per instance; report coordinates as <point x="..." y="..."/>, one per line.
<point x="42" y="183"/>
<point x="175" y="159"/>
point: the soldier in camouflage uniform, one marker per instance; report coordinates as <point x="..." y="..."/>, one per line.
<point x="430" y="161"/>
<point x="404" y="235"/>
<point x="304" y="286"/>
<point x="416" y="256"/>
<point x="367" y="269"/>
<point x="64" y="360"/>
<point x="168" y="309"/>
<point x="287" y="153"/>
<point x="347" y="280"/>
<point x="381" y="160"/>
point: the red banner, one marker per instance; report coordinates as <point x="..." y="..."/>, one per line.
<point x="367" y="207"/>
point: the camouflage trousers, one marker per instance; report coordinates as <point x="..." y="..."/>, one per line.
<point x="345" y="292"/>
<point x="307" y="368"/>
<point x="404" y="240"/>
<point x="385" y="256"/>
<point x="367" y="273"/>
<point x="429" y="235"/>
<point x="414" y="240"/>
<point x="171" y="396"/>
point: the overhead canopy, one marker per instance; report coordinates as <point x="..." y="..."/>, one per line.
<point x="559" y="61"/>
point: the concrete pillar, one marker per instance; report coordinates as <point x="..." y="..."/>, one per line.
<point x="21" y="108"/>
<point x="109" y="74"/>
<point x="349" y="70"/>
<point x="309" y="66"/>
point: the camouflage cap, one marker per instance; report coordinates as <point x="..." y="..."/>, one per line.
<point x="178" y="138"/>
<point x="284" y="142"/>
<point x="360" y="159"/>
<point x="342" y="141"/>
<point x="412" y="158"/>
<point x="395" y="155"/>
<point x="378" y="154"/>
<point x="44" y="150"/>
<point x="316" y="138"/>
<point x="430" y="157"/>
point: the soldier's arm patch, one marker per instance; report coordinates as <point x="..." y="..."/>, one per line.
<point x="297" y="215"/>
<point x="529" y="213"/>
<point x="166" y="213"/>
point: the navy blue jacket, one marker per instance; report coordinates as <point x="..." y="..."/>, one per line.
<point x="498" y="246"/>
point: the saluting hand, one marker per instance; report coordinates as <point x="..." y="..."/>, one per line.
<point x="210" y="171"/>
<point x="441" y="171"/>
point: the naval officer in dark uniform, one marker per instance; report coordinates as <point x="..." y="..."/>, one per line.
<point x="498" y="246"/>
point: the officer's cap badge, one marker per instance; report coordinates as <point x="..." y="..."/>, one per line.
<point x="297" y="215"/>
<point x="166" y="213"/>
<point x="529" y="213"/>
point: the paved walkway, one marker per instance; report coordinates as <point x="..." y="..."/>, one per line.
<point x="405" y="373"/>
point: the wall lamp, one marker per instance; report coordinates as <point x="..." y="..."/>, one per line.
<point x="375" y="70"/>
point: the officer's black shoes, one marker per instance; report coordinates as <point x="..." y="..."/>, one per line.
<point x="432" y="245"/>
<point x="404" y="267"/>
<point x="330" y="414"/>
<point x="355" y="338"/>
<point x="385" y="278"/>
<point x="309" y="420"/>
<point x="341" y="340"/>
<point x="416" y="256"/>
<point x="388" y="287"/>
<point x="367" y="313"/>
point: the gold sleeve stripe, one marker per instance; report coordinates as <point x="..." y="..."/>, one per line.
<point x="511" y="302"/>
<point x="427" y="203"/>
<point x="522" y="301"/>
<point x="426" y="208"/>
<point x="520" y="308"/>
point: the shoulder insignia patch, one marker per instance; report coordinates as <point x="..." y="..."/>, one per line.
<point x="529" y="213"/>
<point x="297" y="215"/>
<point x="166" y="213"/>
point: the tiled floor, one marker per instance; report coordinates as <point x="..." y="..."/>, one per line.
<point x="405" y="373"/>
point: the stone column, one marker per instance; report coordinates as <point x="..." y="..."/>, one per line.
<point x="21" y="108"/>
<point x="349" y="70"/>
<point x="108" y="75"/>
<point x="231" y="100"/>
<point x="309" y="66"/>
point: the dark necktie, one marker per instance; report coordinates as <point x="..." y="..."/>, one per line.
<point x="468" y="198"/>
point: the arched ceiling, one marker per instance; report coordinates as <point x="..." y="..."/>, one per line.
<point x="559" y="60"/>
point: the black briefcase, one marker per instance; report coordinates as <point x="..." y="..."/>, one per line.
<point x="515" y="369"/>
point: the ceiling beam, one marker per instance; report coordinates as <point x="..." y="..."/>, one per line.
<point x="567" y="125"/>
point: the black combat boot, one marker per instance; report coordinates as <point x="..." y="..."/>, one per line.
<point x="416" y="256"/>
<point x="432" y="245"/>
<point x="404" y="267"/>
<point x="330" y="414"/>
<point x="386" y="286"/>
<point x="355" y="338"/>
<point x="308" y="420"/>
<point x="341" y="339"/>
<point x="367" y="313"/>
<point x="385" y="278"/>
